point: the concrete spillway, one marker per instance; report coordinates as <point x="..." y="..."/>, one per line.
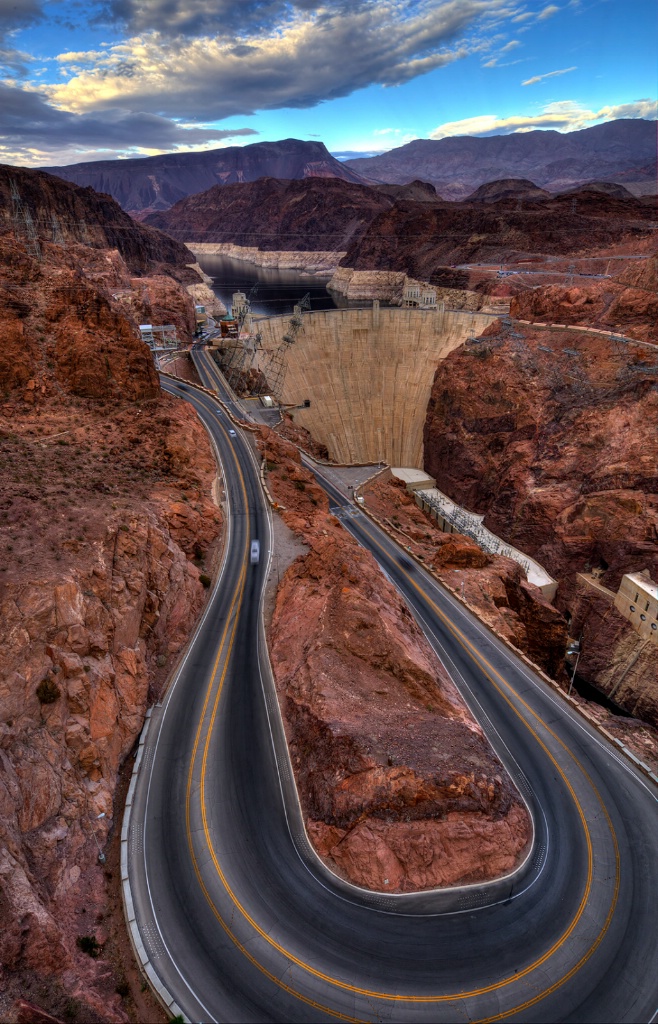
<point x="368" y="374"/>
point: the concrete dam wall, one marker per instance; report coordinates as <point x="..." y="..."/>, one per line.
<point x="368" y="374"/>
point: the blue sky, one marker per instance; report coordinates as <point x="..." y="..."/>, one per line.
<point x="85" y="80"/>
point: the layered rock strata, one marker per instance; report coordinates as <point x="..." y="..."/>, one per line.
<point x="399" y="786"/>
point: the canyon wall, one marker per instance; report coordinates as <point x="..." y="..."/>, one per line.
<point x="106" y="526"/>
<point x="398" y="784"/>
<point x="551" y="435"/>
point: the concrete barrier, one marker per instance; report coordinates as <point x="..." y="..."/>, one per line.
<point x="163" y="996"/>
<point x="243" y="424"/>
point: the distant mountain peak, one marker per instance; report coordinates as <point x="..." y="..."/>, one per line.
<point x="621" y="151"/>
<point x="148" y="184"/>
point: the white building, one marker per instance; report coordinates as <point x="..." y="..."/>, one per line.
<point x="637" y="600"/>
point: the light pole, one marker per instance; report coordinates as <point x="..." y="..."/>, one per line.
<point x="573" y="674"/>
<point x="101" y="856"/>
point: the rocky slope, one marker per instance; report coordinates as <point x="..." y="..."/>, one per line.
<point x="271" y="214"/>
<point x="409" y="230"/>
<point x="425" y="240"/>
<point x="67" y="214"/>
<point x="493" y="585"/>
<point x="152" y="183"/>
<point x="105" y="519"/>
<point x="627" y="301"/>
<point x="400" y="789"/>
<point x="622" y="151"/>
<point x="552" y="436"/>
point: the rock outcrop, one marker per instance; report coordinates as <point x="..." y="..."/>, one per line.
<point x="551" y="435"/>
<point x="106" y="521"/>
<point x="271" y="214"/>
<point x="399" y="786"/>
<point x="628" y="300"/>
<point x="63" y="212"/>
<point x="493" y="585"/>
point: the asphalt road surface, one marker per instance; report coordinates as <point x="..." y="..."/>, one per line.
<point x="243" y="923"/>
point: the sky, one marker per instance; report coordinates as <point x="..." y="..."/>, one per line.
<point x="100" y="79"/>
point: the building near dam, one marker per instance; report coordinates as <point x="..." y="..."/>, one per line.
<point x="637" y="600"/>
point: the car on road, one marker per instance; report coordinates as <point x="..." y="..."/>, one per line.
<point x="232" y="433"/>
<point x="255" y="552"/>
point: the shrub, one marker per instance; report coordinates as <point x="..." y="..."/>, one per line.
<point x="205" y="580"/>
<point x="123" y="988"/>
<point x="48" y="691"/>
<point x="88" y="945"/>
<point x="300" y="485"/>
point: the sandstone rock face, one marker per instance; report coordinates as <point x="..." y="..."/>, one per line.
<point x="400" y="788"/>
<point x="105" y="522"/>
<point x="557" y="449"/>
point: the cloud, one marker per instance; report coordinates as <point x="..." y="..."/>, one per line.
<point x="565" y="116"/>
<point x="274" y="55"/>
<point x="513" y="43"/>
<point x="32" y="131"/>
<point x="16" y="14"/>
<point x="549" y="74"/>
<point x="547" y="12"/>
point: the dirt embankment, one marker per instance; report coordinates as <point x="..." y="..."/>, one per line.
<point x="399" y="786"/>
<point x="552" y="436"/>
<point x="106" y="523"/>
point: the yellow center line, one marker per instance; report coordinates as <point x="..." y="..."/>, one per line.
<point x="489" y="672"/>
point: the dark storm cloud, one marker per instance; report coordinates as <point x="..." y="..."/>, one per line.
<point x="299" y="64"/>
<point x="28" y="122"/>
<point x="208" y="17"/>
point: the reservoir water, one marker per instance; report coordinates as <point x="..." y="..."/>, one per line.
<point x="278" y="290"/>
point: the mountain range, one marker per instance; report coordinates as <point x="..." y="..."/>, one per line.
<point x="409" y="228"/>
<point x="621" y="151"/>
<point x="147" y="184"/>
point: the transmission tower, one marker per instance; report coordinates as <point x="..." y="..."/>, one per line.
<point x="83" y="233"/>
<point x="277" y="364"/>
<point x="236" y="363"/>
<point x="23" y="224"/>
<point x="56" y="230"/>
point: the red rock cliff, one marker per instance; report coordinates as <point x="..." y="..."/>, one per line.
<point x="552" y="436"/>
<point x="105" y="522"/>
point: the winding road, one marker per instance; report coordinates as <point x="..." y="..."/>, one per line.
<point x="240" y="920"/>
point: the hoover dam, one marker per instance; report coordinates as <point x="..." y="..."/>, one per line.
<point x="368" y="375"/>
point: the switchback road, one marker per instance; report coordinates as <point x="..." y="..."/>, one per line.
<point x="242" y="923"/>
